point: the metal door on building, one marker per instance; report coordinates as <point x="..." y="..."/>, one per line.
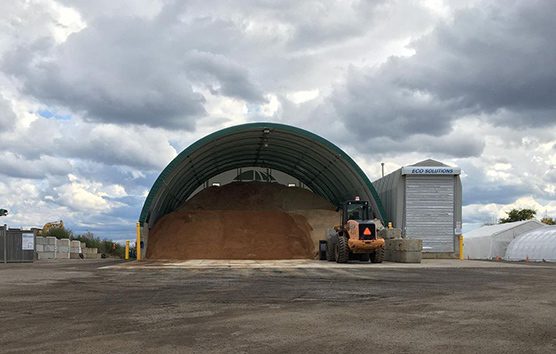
<point x="429" y="211"/>
<point x="16" y="245"/>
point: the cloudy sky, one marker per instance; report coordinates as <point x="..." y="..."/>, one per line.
<point x="96" y="97"/>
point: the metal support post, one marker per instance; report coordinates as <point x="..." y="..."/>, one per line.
<point x="138" y="242"/>
<point x="460" y="237"/>
<point x="5" y="234"/>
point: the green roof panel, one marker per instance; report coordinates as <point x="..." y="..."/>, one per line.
<point x="315" y="161"/>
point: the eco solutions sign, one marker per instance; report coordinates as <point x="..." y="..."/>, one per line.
<point x="430" y="170"/>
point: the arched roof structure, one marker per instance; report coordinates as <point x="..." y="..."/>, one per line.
<point x="319" y="164"/>
<point x="538" y="246"/>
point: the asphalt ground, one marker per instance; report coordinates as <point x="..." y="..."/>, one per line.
<point x="103" y="306"/>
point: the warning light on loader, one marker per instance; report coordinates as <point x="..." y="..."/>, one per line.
<point x="367" y="232"/>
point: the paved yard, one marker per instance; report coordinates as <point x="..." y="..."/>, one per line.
<point x="231" y="307"/>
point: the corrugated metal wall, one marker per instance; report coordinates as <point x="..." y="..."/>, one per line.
<point x="11" y="247"/>
<point x="429" y="211"/>
<point x="391" y="191"/>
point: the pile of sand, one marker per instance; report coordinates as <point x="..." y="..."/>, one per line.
<point x="256" y="196"/>
<point x="244" y="220"/>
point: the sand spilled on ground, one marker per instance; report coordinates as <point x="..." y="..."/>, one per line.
<point x="249" y="220"/>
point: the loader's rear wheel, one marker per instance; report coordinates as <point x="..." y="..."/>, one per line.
<point x="342" y="250"/>
<point x="377" y="256"/>
<point x="330" y="252"/>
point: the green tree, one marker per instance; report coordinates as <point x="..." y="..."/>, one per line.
<point x="548" y="220"/>
<point x="90" y="240"/>
<point x="518" y="215"/>
<point x="104" y="246"/>
<point x="60" y="232"/>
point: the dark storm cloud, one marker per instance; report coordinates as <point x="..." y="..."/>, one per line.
<point x="485" y="193"/>
<point x="133" y="70"/>
<point x="450" y="145"/>
<point x="142" y="148"/>
<point x="550" y="175"/>
<point x="498" y="58"/>
<point x="222" y="76"/>
<point x="478" y="188"/>
<point x="134" y="181"/>
<point x="13" y="165"/>
<point x="7" y="115"/>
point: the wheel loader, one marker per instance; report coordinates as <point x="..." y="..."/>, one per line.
<point x="356" y="237"/>
<point x="49" y="226"/>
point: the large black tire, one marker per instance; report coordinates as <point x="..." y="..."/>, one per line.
<point x="364" y="257"/>
<point x="330" y="251"/>
<point x="342" y="250"/>
<point x="377" y="256"/>
<point x="322" y="252"/>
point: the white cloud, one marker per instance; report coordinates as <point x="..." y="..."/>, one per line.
<point x="269" y="109"/>
<point x="298" y="97"/>
<point x="77" y="196"/>
<point x="66" y="21"/>
<point x="87" y="196"/>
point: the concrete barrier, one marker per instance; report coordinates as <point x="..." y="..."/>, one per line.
<point x="50" y="244"/>
<point x="52" y="248"/>
<point x="90" y="250"/>
<point x="45" y="247"/>
<point x="63" y="249"/>
<point x="39" y="244"/>
<point x="403" y="250"/>
<point x="75" y="246"/>
<point x="404" y="245"/>
<point x="75" y="249"/>
<point x="91" y="253"/>
<point x="46" y="255"/>
<point x="388" y="234"/>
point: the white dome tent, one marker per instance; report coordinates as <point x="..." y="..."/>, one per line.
<point x="536" y="246"/>
<point x="490" y="242"/>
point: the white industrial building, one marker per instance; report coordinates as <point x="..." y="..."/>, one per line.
<point x="536" y="246"/>
<point x="425" y="200"/>
<point x="490" y="242"/>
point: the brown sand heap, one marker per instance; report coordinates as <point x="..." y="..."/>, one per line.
<point x="249" y="220"/>
<point x="256" y="196"/>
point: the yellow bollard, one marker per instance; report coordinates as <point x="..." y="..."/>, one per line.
<point x="460" y="247"/>
<point x="127" y="250"/>
<point x="138" y="242"/>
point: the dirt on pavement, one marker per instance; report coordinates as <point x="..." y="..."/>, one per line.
<point x="74" y="307"/>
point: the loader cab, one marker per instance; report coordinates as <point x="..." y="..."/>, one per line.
<point x="355" y="210"/>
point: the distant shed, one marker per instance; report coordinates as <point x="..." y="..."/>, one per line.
<point x="425" y="200"/>
<point x="489" y="242"/>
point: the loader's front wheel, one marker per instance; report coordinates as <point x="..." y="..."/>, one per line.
<point x="377" y="256"/>
<point x="342" y="250"/>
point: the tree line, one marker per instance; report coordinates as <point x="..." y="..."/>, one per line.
<point x="525" y="214"/>
<point x="104" y="246"/>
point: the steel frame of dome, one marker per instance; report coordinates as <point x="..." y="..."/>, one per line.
<point x="319" y="164"/>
